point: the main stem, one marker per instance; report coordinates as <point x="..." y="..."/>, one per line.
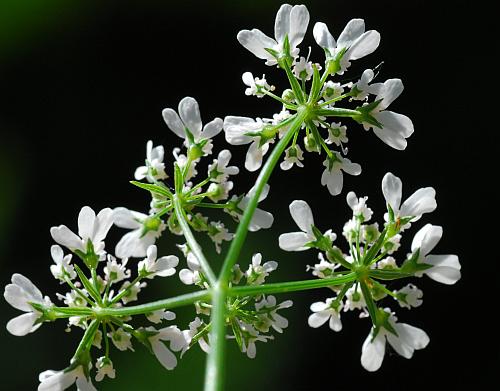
<point x="214" y="373"/>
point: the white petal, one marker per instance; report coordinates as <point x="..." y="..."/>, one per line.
<point x="236" y="127"/>
<point x="282" y="22"/>
<point x="294" y="241"/>
<point x="186" y="276"/>
<point x="270" y="266"/>
<point x="352" y="31"/>
<point x="212" y="129"/>
<point x="390" y="92"/>
<point x="256" y="42"/>
<point x="392" y="188"/>
<point x="412" y="336"/>
<point x="351" y="168"/>
<point x="318" y="306"/>
<point x="164" y="355"/>
<point x="251" y="350"/>
<point x="335" y="323"/>
<point x="84" y="384"/>
<point x="323" y="37"/>
<point x="427" y="238"/>
<point x="17" y="298"/>
<point x="333" y="180"/>
<point x="133" y="245"/>
<point x="103" y="223"/>
<point x="364" y="45"/>
<point x="64" y="236"/>
<point x="302" y="215"/>
<point x="86" y="219"/>
<point x="448" y="260"/>
<point x="420" y="202"/>
<point x="127" y="219"/>
<point x="58" y="381"/>
<point x="318" y="319"/>
<point x="28" y="287"/>
<point x="174" y="123"/>
<point x="189" y="112"/>
<point x="260" y="219"/>
<point x="299" y="20"/>
<point x="23" y="324"/>
<point x="447" y="269"/>
<point x="141" y="172"/>
<point x="254" y="155"/>
<point x="352" y="200"/>
<point x="57" y="253"/>
<point x="396" y="128"/>
<point x="372" y="352"/>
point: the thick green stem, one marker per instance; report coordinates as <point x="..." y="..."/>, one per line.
<point x="193" y="244"/>
<point x="291" y="286"/>
<point x="147" y="308"/>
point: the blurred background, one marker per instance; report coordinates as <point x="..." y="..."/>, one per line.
<point x="82" y="86"/>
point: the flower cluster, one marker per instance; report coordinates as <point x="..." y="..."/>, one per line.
<point x="321" y="99"/>
<point x="364" y="272"/>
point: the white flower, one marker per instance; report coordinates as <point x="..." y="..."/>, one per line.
<point x="244" y="130"/>
<point x="132" y="291"/>
<point x="353" y="41"/>
<point x="420" y="202"/>
<point x="361" y="89"/>
<point x="90" y="228"/>
<point x="121" y="339"/>
<point x="164" y="355"/>
<point x="154" y="168"/>
<point x="408" y="340"/>
<point x="60" y="380"/>
<point x="268" y="317"/>
<point x="337" y="134"/>
<point x="396" y="128"/>
<point x="194" y="328"/>
<point x="290" y="22"/>
<point x="218" y="233"/>
<point x="260" y="218"/>
<point x="409" y="296"/>
<point x="324" y="268"/>
<point x="251" y="335"/>
<point x="303" y="69"/>
<point x="19" y="295"/>
<point x="387" y="263"/>
<point x="392" y="244"/>
<point x="115" y="271"/>
<point x="104" y="367"/>
<point x="189" y="125"/>
<point x="182" y="160"/>
<point x="303" y="217"/>
<point x="445" y="268"/>
<point x="354" y="299"/>
<point x="219" y="170"/>
<point x="62" y="267"/>
<point x="332" y="177"/>
<point x="358" y="206"/>
<point x="324" y="311"/>
<point x="256" y="85"/>
<point x="293" y="155"/>
<point x="219" y="191"/>
<point x="145" y="230"/>
<point x="151" y="267"/>
<point x="159" y="315"/>
<point x="332" y="90"/>
<point x="192" y="275"/>
<point x="257" y="273"/>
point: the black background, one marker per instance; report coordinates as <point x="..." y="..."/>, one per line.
<point x="80" y="97"/>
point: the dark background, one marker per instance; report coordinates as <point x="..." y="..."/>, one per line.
<point x="82" y="85"/>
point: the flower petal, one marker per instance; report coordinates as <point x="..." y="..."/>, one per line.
<point x="173" y="122"/>
<point x="256" y="42"/>
<point x="235" y="129"/>
<point x="427" y="238"/>
<point x="372" y="352"/>
<point x="282" y="22"/>
<point x="164" y="355"/>
<point x="299" y="20"/>
<point x="212" y="129"/>
<point x="366" y="44"/>
<point x="391" y="90"/>
<point x="323" y="37"/>
<point x="294" y="241"/>
<point x="333" y="180"/>
<point x="128" y="219"/>
<point x="318" y="319"/>
<point x="396" y="128"/>
<point x="352" y="31"/>
<point x="260" y="219"/>
<point x="103" y="223"/>
<point x="254" y="155"/>
<point x="86" y="219"/>
<point x="302" y="215"/>
<point x="420" y="202"/>
<point x="23" y="324"/>
<point x="189" y="112"/>
<point x="392" y="188"/>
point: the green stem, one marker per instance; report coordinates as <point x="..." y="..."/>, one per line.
<point x="193" y="244"/>
<point x="87" y="338"/>
<point x="210" y="205"/>
<point x="288" y="105"/>
<point x="78" y="291"/>
<point x="291" y="286"/>
<point x="126" y="290"/>
<point x="333" y="100"/>
<point x="72" y="311"/>
<point x="147" y="308"/>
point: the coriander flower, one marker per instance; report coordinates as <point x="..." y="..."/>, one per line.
<point x="159" y="315"/>
<point x="257" y="273"/>
<point x="92" y="230"/>
<point x="114" y="271"/>
<point x="193" y="274"/>
<point x="332" y="176"/>
<point x="303" y="69"/>
<point x="358" y="206"/>
<point x="260" y="218"/>
<point x="244" y="130"/>
<point x="164" y="355"/>
<point x="268" y="317"/>
<point x="420" y="202"/>
<point x="354" y="299"/>
<point x="151" y="267"/>
<point x="337" y="134"/>
<point x="324" y="311"/>
<point x="251" y="335"/>
<point x="407" y="340"/>
<point x="121" y="339"/>
<point x="352" y="44"/>
<point x="293" y="155"/>
<point x="60" y="380"/>
<point x="445" y="268"/>
<point x="409" y="296"/>
<point x="291" y="23"/>
<point x="393" y="128"/>
<point x="256" y="85"/>
<point x="194" y="329"/>
<point x="154" y="168"/>
<point x="62" y="267"/>
<point x="145" y="230"/>
<point x="219" y="170"/>
<point x="189" y="126"/>
<point x="20" y="294"/>
<point x="332" y="90"/>
<point x="361" y="89"/>
<point x="104" y="368"/>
